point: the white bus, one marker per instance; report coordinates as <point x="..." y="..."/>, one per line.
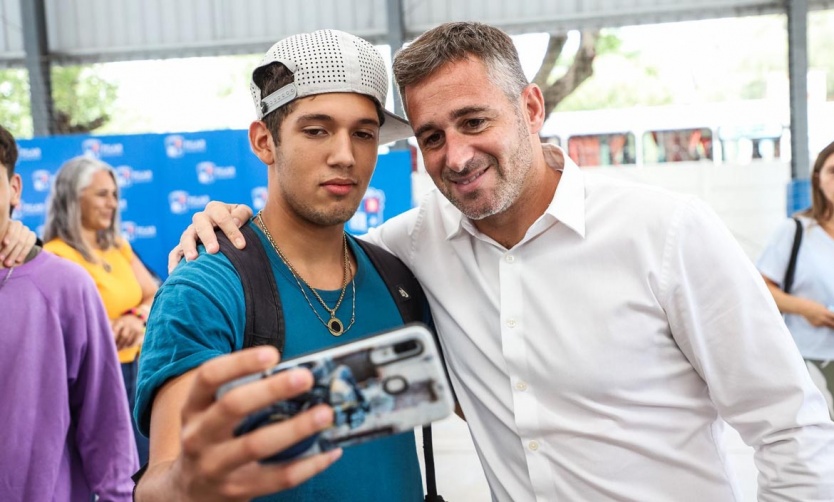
<point x="717" y="133"/>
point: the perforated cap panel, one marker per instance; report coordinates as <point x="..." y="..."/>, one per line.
<point x="329" y="61"/>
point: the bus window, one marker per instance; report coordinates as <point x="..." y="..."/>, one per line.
<point x="741" y="144"/>
<point x="743" y="150"/>
<point x="602" y="149"/>
<point x="681" y="145"/>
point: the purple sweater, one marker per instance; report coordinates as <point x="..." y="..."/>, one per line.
<point x="64" y="426"/>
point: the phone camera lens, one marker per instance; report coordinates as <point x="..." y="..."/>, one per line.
<point x="404" y="347"/>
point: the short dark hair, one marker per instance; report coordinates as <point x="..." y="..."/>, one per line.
<point x="269" y="79"/>
<point x="8" y="151"/>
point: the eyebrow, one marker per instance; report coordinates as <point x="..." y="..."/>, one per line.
<point x="456" y="114"/>
<point x="323" y="117"/>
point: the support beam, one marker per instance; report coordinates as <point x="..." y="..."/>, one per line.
<point x="396" y="39"/>
<point x="797" y="11"/>
<point x="33" y="17"/>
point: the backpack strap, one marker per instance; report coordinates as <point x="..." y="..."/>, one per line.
<point x="403" y="286"/>
<point x="264" y="315"/>
<point x="787" y="283"/>
<point x="411" y="302"/>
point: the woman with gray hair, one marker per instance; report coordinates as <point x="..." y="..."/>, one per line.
<point x="83" y="225"/>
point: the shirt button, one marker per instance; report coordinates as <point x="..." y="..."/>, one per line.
<point x="522" y="386"/>
<point x="533" y="445"/>
<point x="510" y="258"/>
<point x="511" y="323"/>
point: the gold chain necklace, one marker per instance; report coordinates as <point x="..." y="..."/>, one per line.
<point x="334" y="324"/>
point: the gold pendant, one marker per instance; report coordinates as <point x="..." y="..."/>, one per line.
<point x="335" y="326"/>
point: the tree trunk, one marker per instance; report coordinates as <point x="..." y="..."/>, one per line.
<point x="580" y="69"/>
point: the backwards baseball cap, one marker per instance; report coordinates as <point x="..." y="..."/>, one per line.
<point x="327" y="61"/>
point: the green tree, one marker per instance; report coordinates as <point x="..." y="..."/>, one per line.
<point x="82" y="100"/>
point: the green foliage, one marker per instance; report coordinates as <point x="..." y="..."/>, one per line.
<point x="82" y="99"/>
<point x="82" y="96"/>
<point x="14" y="102"/>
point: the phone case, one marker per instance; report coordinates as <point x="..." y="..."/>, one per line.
<point x="378" y="386"/>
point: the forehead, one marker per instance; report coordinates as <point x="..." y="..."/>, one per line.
<point x="341" y="105"/>
<point x="101" y="178"/>
<point x="454" y="86"/>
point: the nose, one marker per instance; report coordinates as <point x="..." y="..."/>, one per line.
<point x="341" y="150"/>
<point x="458" y="151"/>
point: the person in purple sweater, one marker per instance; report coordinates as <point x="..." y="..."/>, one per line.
<point x="66" y="427"/>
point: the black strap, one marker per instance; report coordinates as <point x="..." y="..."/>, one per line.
<point x="428" y="456"/>
<point x="403" y="286"/>
<point x="264" y="315"/>
<point x="787" y="283"/>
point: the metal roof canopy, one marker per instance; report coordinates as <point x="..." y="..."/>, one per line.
<point x="40" y="32"/>
<point x="85" y="31"/>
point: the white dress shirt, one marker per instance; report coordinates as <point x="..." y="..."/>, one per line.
<point x="594" y="358"/>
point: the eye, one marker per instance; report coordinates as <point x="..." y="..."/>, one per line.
<point x="431" y="140"/>
<point x="366" y="135"/>
<point x="474" y="123"/>
<point x="314" y="132"/>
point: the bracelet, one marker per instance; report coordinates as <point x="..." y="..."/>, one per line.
<point x="138" y="313"/>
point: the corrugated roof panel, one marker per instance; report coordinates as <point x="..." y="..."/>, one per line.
<point x="109" y="30"/>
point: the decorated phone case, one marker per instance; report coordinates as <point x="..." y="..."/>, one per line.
<point x="378" y="386"/>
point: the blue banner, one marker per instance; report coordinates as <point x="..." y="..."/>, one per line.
<point x="165" y="178"/>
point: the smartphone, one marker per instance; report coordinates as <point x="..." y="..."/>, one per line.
<point x="384" y="384"/>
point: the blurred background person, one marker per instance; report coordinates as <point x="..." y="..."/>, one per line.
<point x="83" y="225"/>
<point x="809" y="304"/>
<point x="66" y="428"/>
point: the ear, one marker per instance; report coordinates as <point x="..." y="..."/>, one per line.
<point x="532" y="100"/>
<point x="260" y="139"/>
<point x="16" y="185"/>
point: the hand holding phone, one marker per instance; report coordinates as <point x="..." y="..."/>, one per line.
<point x="378" y="386"/>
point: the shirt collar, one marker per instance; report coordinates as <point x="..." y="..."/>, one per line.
<point x="567" y="206"/>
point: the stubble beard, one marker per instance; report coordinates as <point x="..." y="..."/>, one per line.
<point x="509" y="181"/>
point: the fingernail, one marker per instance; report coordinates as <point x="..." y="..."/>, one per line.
<point x="334" y="455"/>
<point x="264" y="355"/>
<point x="239" y="243"/>
<point x="297" y="379"/>
<point x="323" y="416"/>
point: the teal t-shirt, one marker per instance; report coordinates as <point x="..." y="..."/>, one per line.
<point x="199" y="314"/>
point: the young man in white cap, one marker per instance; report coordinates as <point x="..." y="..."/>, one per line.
<point x="320" y="100"/>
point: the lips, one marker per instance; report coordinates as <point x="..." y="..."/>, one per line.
<point x="339" y="186"/>
<point x="469" y="179"/>
<point x="469" y="182"/>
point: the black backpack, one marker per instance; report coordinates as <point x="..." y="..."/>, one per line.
<point x="265" y="316"/>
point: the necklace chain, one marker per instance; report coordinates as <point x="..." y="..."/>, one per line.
<point x="6" y="279"/>
<point x="334" y="324"/>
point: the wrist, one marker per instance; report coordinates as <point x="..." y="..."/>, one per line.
<point x="139" y="313"/>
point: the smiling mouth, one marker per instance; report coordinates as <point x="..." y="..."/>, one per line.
<point x="469" y="179"/>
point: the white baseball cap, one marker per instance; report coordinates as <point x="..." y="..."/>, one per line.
<point x="327" y="61"/>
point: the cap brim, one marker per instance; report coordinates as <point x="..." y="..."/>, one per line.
<point x="395" y="128"/>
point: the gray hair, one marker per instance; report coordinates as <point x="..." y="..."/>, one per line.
<point x="452" y="42"/>
<point x="63" y="219"/>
